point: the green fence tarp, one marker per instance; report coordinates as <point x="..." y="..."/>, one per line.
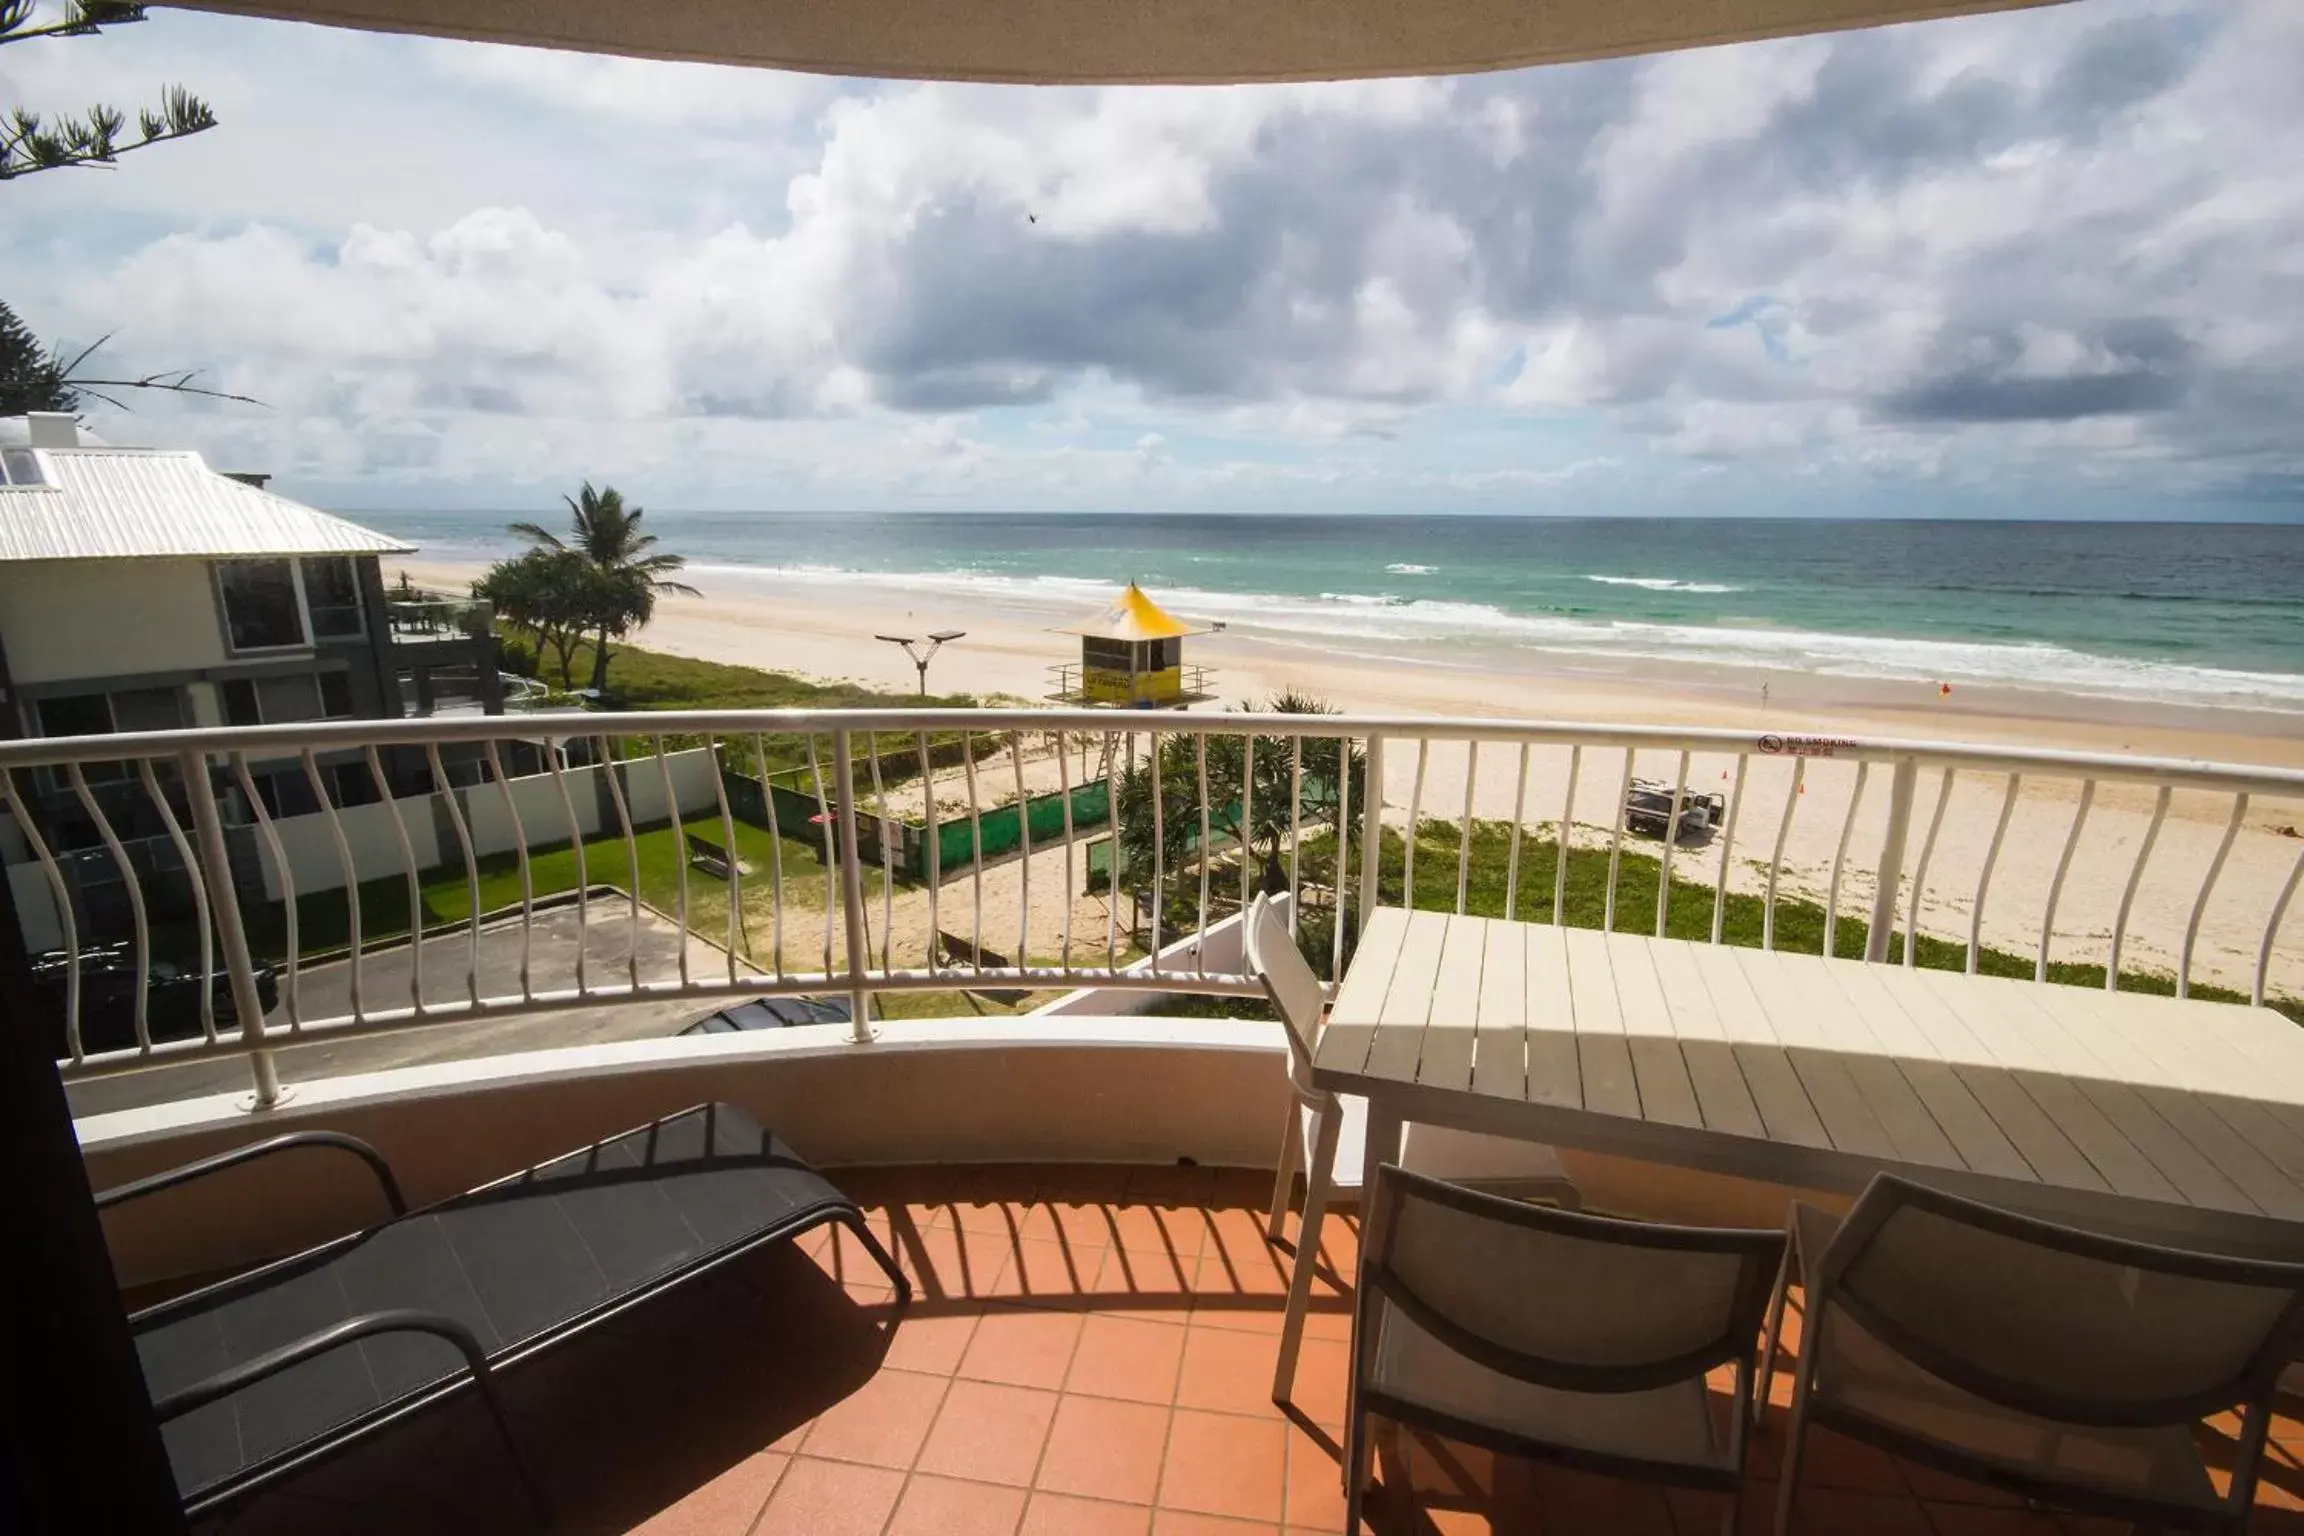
<point x="1003" y="828"/>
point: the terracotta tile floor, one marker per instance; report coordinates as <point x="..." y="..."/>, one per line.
<point x="1089" y="1350"/>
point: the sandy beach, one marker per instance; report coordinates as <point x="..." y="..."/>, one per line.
<point x="824" y="628"/>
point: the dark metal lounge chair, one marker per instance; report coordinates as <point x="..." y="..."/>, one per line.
<point x="268" y="1371"/>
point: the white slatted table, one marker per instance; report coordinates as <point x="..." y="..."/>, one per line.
<point x="2176" y="1120"/>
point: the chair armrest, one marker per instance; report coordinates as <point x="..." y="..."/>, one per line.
<point x="222" y="1160"/>
<point x="351" y="1331"/>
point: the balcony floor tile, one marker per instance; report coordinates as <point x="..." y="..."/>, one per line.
<point x="1090" y="1354"/>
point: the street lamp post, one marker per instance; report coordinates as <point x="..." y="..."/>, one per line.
<point x="920" y="659"/>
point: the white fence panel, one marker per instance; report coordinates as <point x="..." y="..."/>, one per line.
<point x="313" y="859"/>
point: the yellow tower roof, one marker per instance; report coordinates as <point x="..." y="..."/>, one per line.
<point x="1133" y="616"/>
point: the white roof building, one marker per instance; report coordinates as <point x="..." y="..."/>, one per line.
<point x="65" y="499"/>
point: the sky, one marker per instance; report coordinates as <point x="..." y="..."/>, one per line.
<point x="2048" y="263"/>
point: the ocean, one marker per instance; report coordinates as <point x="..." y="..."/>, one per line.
<point x="2180" y="613"/>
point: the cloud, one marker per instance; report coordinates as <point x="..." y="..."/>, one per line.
<point x="2022" y="245"/>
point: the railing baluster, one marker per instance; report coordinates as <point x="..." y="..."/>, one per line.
<point x="1561" y="843"/>
<point x="2207" y="888"/>
<point x="1920" y="870"/>
<point x="288" y="901"/>
<point x="61" y="894"/>
<point x="1512" y="853"/>
<point x="1903" y="782"/>
<point x="975" y="856"/>
<point x="552" y="751"/>
<point x="775" y="865"/>
<point x="1159" y="844"/>
<point x="1372" y="838"/>
<point x="1671" y="841"/>
<point x="831" y="855"/>
<point x="335" y="823"/>
<point x="527" y="875"/>
<point x="1415" y="814"/>
<point x="415" y="883"/>
<point x="609" y="767"/>
<point x="198" y="881"/>
<point x="1343" y="858"/>
<point x="1024" y="852"/>
<point x="1984" y="875"/>
<point x="224" y="902"/>
<point x="933" y="846"/>
<point x="2063" y="867"/>
<point x="1840" y="858"/>
<point x="447" y="792"/>
<point x="1616" y="844"/>
<point x="1776" y="858"/>
<point x="1207" y="849"/>
<point x="887" y="855"/>
<point x="1064" y="793"/>
<point x="2272" y="930"/>
<point x="851" y="872"/>
<point x="1728" y="847"/>
<point x="1249" y="874"/>
<point x="2135" y="879"/>
<point x="1295" y="831"/>
<point x="135" y="889"/>
<point x="1464" y="828"/>
<point x="1114" y="766"/>
<point x="677" y="826"/>
<point x="739" y="931"/>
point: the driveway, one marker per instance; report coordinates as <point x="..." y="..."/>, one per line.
<point x="325" y="991"/>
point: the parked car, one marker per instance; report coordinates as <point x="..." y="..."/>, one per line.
<point x="108" y="986"/>
<point x="1648" y="811"/>
<point x="771" y="1013"/>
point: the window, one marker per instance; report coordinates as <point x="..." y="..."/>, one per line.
<point x="353" y="784"/>
<point x="285" y="792"/>
<point x="239" y="695"/>
<point x="79" y="714"/>
<point x="20" y="466"/>
<point x="97" y="714"/>
<point x="332" y="593"/>
<point x="261" y="610"/>
<point x="148" y="709"/>
<point x="285" y="700"/>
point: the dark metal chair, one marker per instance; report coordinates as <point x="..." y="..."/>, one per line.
<point x="2070" y="1367"/>
<point x="1555" y="1335"/>
<point x="268" y="1371"/>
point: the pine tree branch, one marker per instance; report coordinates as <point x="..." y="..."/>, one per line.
<point x="172" y="381"/>
<point x="94" y="138"/>
<point x="84" y="18"/>
<point x="167" y="383"/>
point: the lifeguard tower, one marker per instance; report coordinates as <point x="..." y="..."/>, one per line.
<point x="1132" y="657"/>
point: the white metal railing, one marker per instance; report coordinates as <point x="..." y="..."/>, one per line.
<point x="438" y="618"/>
<point x="1298" y="784"/>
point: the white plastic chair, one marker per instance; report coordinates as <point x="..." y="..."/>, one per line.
<point x="2067" y="1366"/>
<point x="1325" y="1136"/>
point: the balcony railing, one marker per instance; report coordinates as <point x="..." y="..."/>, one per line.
<point x="1910" y="837"/>
<point x="433" y="619"/>
<point x="1107" y="688"/>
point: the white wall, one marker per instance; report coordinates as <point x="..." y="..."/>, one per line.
<point x="316" y="866"/>
<point x="369" y="837"/>
<point x="1225" y="953"/>
<point x="67" y="619"/>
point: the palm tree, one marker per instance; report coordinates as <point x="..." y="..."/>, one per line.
<point x="630" y="579"/>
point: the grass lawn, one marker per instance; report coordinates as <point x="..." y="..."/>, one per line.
<point x="1799" y="923"/>
<point x="446" y="895"/>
